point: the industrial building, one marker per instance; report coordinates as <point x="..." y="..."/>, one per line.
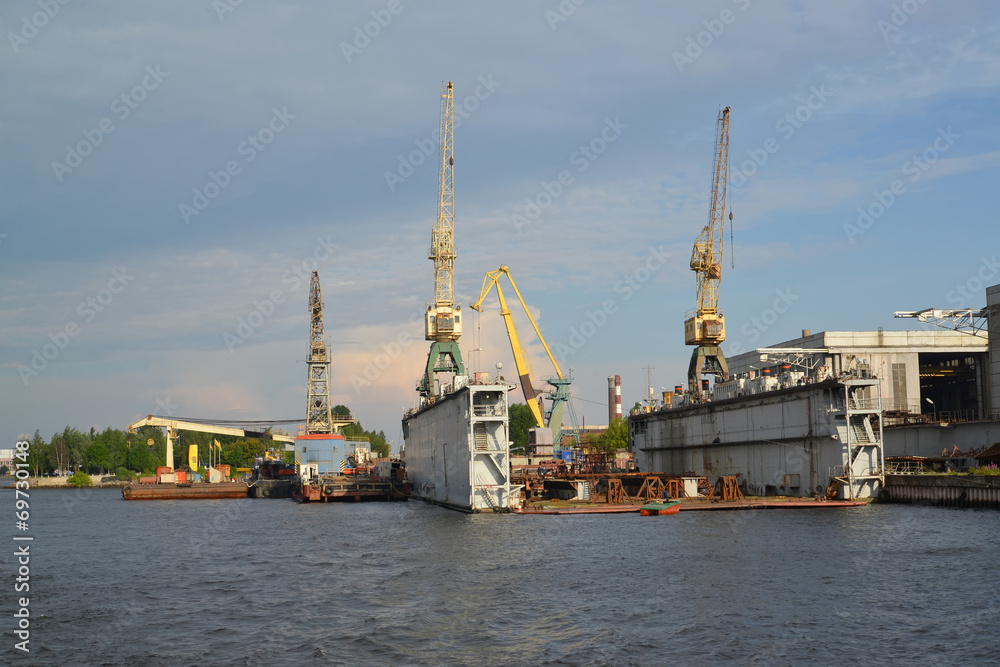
<point x="934" y="373"/>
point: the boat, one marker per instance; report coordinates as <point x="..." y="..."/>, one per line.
<point x="271" y="477"/>
<point x="332" y="468"/>
<point x="660" y="507"/>
<point x="196" y="491"/>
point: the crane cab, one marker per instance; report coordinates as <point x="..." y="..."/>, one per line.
<point x="709" y="329"/>
<point x="443" y="323"/>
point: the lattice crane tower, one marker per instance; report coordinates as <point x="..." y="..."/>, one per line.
<point x="706" y="325"/>
<point x="443" y="322"/>
<point x="318" y="415"/>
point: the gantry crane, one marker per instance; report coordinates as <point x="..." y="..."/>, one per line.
<point x="706" y="325"/>
<point x="319" y="418"/>
<point x="560" y="392"/>
<point x="443" y="319"/>
<point x="172" y="426"/>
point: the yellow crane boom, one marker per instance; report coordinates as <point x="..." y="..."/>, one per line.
<point x="531" y="395"/>
<point x="174" y="425"/>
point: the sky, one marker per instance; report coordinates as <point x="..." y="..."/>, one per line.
<point x="172" y="172"/>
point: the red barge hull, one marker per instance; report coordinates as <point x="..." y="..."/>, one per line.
<point x="201" y="491"/>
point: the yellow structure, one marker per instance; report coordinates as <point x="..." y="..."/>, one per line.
<point x="560" y="396"/>
<point x="705" y="326"/>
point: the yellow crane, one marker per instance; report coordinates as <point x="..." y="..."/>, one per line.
<point x="560" y="394"/>
<point x="706" y="325"/>
<point x="443" y="319"/>
<point x="172" y="426"/>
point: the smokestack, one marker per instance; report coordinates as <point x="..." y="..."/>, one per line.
<point x="805" y="333"/>
<point x="611" y="398"/>
<point x="614" y="397"/>
<point x="618" y="396"/>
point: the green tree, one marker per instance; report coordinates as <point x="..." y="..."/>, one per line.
<point x="521" y="421"/>
<point x="116" y="442"/>
<point x="615" y="438"/>
<point x="58" y="452"/>
<point x="97" y="458"/>
<point x="139" y="458"/>
<point x="79" y="478"/>
<point x="4" y="471"/>
<point x="38" y="455"/>
<point x="76" y="444"/>
<point x="341" y="410"/>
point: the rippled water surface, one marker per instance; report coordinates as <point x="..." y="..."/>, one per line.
<point x="271" y="582"/>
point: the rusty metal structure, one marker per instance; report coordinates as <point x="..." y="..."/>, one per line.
<point x="728" y="488"/>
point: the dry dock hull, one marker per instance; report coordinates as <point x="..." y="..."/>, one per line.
<point x="457" y="449"/>
<point x="185" y="491"/>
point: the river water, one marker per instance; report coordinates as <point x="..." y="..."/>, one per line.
<point x="267" y="582"/>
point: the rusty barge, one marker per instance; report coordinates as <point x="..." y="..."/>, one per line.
<point x="195" y="491"/>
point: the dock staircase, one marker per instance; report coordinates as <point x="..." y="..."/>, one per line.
<point x="863" y="459"/>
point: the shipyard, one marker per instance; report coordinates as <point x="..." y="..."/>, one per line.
<point x="560" y="333"/>
<point x="819" y="421"/>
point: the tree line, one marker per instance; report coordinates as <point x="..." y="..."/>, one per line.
<point x="99" y="452"/>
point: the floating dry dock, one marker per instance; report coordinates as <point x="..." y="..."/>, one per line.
<point x="457" y="448"/>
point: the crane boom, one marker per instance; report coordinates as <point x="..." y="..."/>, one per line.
<point x="560" y="396"/>
<point x="443" y="319"/>
<point x="706" y="325"/>
<point x="174" y="425"/>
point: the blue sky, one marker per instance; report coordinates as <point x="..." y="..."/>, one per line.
<point x="286" y="118"/>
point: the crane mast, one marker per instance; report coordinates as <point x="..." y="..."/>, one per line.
<point x="706" y="325"/>
<point x="318" y="416"/>
<point x="443" y="319"/>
